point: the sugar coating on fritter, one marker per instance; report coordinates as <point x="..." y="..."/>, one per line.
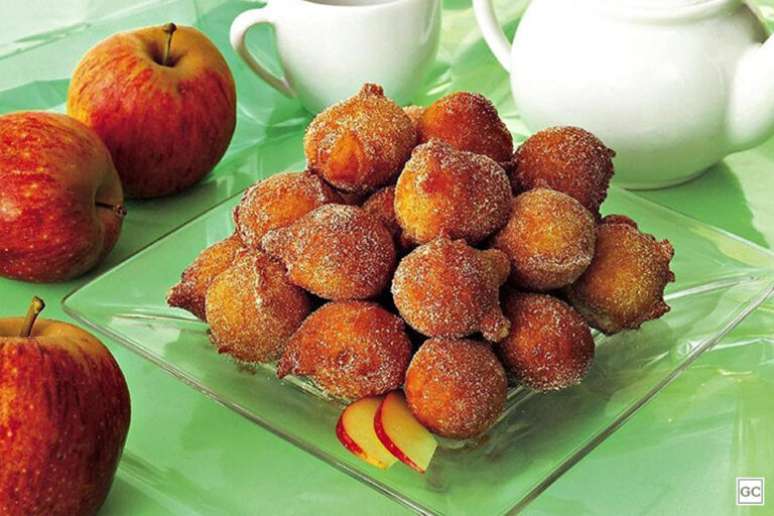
<point x="449" y="289"/>
<point x="624" y="285"/>
<point x="351" y="349"/>
<point x="468" y="122"/>
<point x="361" y="143"/>
<point x="550" y="346"/>
<point x="456" y="388"/>
<point x="278" y="201"/>
<point x="253" y="310"/>
<point x="337" y="252"/>
<point x="619" y="219"/>
<point x="415" y="114"/>
<point x="381" y="204"/>
<point x="568" y="159"/>
<point x="510" y="170"/>
<point x="549" y="239"/>
<point x="451" y="193"/>
<point x="353" y="198"/>
<point x="190" y="292"/>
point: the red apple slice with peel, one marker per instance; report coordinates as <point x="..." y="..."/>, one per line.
<point x="401" y="433"/>
<point x="355" y="430"/>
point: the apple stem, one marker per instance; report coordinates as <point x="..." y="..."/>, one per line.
<point x="118" y="209"/>
<point x="169" y="29"/>
<point x="36" y="306"/>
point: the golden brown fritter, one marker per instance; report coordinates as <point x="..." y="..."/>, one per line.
<point x="550" y="345"/>
<point x="360" y="144"/>
<point x="619" y="219"/>
<point x="382" y="206"/>
<point x="278" y="201"/>
<point x="190" y="292"/>
<point x="449" y="289"/>
<point x="353" y="198"/>
<point x="351" y="349"/>
<point x="549" y="240"/>
<point x="337" y="252"/>
<point x="624" y="285"/>
<point x="415" y="114"/>
<point x="253" y="310"/>
<point x="568" y="159"/>
<point x="456" y="388"/>
<point x="451" y="193"/>
<point x="468" y="122"/>
<point x="510" y="170"/>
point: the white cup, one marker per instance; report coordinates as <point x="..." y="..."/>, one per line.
<point x="329" y="48"/>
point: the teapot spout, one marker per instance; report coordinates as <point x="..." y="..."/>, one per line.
<point x="751" y="112"/>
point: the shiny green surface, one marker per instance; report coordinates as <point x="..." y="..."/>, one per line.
<point x="186" y="454"/>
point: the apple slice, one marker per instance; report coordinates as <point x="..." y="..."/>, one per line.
<point x="355" y="430"/>
<point x="401" y="433"/>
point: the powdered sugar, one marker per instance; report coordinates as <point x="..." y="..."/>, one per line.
<point x="352" y="349"/>
<point x="446" y="288"/>
<point x="568" y="159"/>
<point x="549" y="239"/>
<point x="456" y="388"/>
<point x="446" y="192"/>
<point x="336" y="251"/>
<point x="550" y="346"/>
<point x="361" y="143"/>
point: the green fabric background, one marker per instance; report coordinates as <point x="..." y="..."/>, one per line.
<point x="187" y="455"/>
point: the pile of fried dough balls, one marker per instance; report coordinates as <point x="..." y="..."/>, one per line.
<point x="426" y="218"/>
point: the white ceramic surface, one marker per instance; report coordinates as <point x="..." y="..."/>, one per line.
<point x="673" y="86"/>
<point x="329" y="48"/>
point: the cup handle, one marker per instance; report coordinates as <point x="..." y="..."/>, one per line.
<point x="239" y="28"/>
<point x="493" y="33"/>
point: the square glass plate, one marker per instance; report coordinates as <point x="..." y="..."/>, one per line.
<point x="720" y="280"/>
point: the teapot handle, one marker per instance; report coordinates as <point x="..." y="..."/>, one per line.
<point x="493" y="33"/>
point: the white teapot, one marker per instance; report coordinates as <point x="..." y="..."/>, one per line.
<point x="672" y="86"/>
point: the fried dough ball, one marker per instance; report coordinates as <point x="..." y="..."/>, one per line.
<point x="279" y="201"/>
<point x="337" y="252"/>
<point x="446" y="192"/>
<point x="456" y="388"/>
<point x="190" y="292"/>
<point x="353" y="198"/>
<point x="253" y="310"/>
<point x="449" y="289"/>
<point x="468" y="122"/>
<point x="382" y="206"/>
<point x="415" y="114"/>
<point x="351" y="349"/>
<point x="568" y="159"/>
<point x="510" y="170"/>
<point x="624" y="285"/>
<point x="550" y="345"/>
<point x="619" y="219"/>
<point x="360" y="144"/>
<point x="549" y="239"/>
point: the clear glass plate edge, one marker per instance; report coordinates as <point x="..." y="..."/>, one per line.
<point x="622" y="418"/>
<point x="572" y="459"/>
<point x="411" y="504"/>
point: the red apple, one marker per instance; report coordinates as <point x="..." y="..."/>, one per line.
<point x="163" y="100"/>
<point x="401" y="433"/>
<point x="64" y="415"/>
<point x="355" y="430"/>
<point x="60" y="197"/>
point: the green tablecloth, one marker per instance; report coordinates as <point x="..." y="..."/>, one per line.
<point x="186" y="454"/>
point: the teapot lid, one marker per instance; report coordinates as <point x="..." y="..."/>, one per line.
<point x="659" y="4"/>
<point x="664" y="9"/>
